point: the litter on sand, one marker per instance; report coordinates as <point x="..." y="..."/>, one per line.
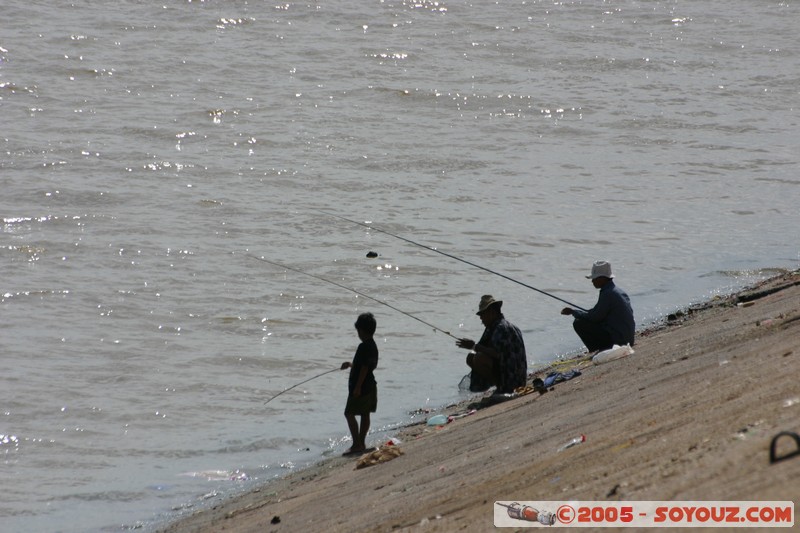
<point x="381" y="455"/>
<point x="615" y="352"/>
<point x="558" y="377"/>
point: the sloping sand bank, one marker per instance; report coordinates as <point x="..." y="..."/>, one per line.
<point x="689" y="416"/>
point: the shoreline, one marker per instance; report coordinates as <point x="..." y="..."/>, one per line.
<point x="688" y="416"/>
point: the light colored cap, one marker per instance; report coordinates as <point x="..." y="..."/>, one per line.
<point x="487" y="300"/>
<point x="601" y="269"/>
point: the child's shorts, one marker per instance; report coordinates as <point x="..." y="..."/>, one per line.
<point x="364" y="404"/>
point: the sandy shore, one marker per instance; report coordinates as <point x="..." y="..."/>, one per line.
<point x="689" y="416"/>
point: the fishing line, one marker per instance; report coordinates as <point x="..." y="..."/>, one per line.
<point x="298" y="384"/>
<point x="450" y="256"/>
<point x="390" y="306"/>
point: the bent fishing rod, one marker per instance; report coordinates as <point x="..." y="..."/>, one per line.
<point x="451" y="257"/>
<point x="390" y="306"/>
<point x="298" y="384"/>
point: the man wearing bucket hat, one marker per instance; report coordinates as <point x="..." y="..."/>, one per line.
<point x="498" y="358"/>
<point x="610" y="321"/>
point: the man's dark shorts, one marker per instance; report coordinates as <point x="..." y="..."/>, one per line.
<point x="363" y="405"/>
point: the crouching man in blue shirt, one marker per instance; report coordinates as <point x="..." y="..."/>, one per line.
<point x="610" y="321"/>
<point x="498" y="358"/>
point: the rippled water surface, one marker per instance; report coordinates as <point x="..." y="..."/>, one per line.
<point x="150" y="152"/>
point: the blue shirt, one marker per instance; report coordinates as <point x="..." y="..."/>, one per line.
<point x="613" y="312"/>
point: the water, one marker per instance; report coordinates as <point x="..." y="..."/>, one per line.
<point x="148" y="150"/>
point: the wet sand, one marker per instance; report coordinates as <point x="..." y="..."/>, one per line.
<point x="689" y="416"/>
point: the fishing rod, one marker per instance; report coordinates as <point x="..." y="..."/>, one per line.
<point x="298" y="384"/>
<point x="390" y="306"/>
<point x="450" y="256"/>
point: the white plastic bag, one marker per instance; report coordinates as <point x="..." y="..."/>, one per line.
<point x="615" y="352"/>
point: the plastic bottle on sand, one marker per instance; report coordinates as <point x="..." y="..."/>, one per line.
<point x="573" y="442"/>
<point x="437" y="420"/>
